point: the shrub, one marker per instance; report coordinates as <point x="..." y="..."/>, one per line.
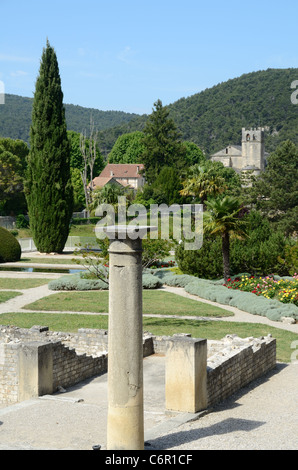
<point x="76" y="282"/>
<point x="262" y="252"/>
<point x="162" y="274"/>
<point x="10" y="249"/>
<point x="178" y="280"/>
<point x="151" y="282"/>
<point x="246" y="301"/>
<point x="21" y="221"/>
<point x="204" y="263"/>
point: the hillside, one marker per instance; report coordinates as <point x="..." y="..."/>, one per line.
<point x="214" y="117"/>
<point x="15" y="117"/>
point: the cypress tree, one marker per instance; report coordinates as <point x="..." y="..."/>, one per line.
<point x="48" y="186"/>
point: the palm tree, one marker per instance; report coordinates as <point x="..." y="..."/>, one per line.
<point x="107" y="195"/>
<point x="224" y="218"/>
<point x="201" y="183"/>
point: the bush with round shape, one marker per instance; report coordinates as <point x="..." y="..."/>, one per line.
<point x="10" y="249"/>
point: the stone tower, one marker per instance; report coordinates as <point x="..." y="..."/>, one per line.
<point x="253" y="149"/>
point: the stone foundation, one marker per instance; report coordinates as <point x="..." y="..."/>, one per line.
<point x="36" y="361"/>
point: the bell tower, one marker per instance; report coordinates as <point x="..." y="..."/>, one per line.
<point x="253" y="148"/>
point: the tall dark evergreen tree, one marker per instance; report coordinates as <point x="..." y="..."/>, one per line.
<point x="162" y="143"/>
<point x="48" y="186"/>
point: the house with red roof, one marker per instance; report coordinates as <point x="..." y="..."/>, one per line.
<point x="126" y="174"/>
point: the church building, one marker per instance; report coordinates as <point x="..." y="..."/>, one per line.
<point x="250" y="156"/>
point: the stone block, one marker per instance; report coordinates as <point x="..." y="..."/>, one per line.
<point x="186" y="374"/>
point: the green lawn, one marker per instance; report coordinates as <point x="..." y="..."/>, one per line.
<point x="159" y="326"/>
<point x="4" y="296"/>
<point x="75" y="230"/>
<point x="12" y="283"/>
<point x="50" y="260"/>
<point x="154" y="302"/>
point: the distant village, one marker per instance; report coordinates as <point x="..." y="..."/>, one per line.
<point x="249" y="156"/>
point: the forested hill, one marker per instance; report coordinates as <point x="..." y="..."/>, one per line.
<point x="214" y="117"/>
<point x="15" y="117"/>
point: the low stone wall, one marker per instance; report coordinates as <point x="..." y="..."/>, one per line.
<point x="67" y="366"/>
<point x="9" y="383"/>
<point x="70" y="368"/>
<point x="234" y="362"/>
<point x="72" y="357"/>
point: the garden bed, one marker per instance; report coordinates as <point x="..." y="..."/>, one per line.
<point x="284" y="289"/>
<point x="248" y="301"/>
<point x="277" y="301"/>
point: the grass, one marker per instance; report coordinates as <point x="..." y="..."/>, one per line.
<point x="11" y="283"/>
<point x="75" y="230"/>
<point x="82" y="230"/>
<point x="154" y="302"/>
<point x="53" y="260"/>
<point x="159" y="326"/>
<point x="55" y="321"/>
<point x="4" y="296"/>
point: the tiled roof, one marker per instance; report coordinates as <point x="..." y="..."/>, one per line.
<point x="122" y="170"/>
<point x="100" y="181"/>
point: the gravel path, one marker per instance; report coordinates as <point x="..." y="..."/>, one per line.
<point x="28" y="296"/>
<point x="261" y="416"/>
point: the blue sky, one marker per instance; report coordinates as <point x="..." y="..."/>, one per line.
<point x="125" y="54"/>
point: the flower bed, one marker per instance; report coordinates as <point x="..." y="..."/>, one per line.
<point x="283" y="289"/>
<point x="215" y="291"/>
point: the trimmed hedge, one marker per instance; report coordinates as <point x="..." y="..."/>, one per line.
<point x="151" y="282"/>
<point x="10" y="249"/>
<point x="76" y="282"/>
<point x="246" y="301"/>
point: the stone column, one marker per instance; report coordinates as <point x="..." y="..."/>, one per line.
<point x="125" y="430"/>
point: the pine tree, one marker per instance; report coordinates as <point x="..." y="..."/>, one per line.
<point x="48" y="186"/>
<point x="162" y="143"/>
